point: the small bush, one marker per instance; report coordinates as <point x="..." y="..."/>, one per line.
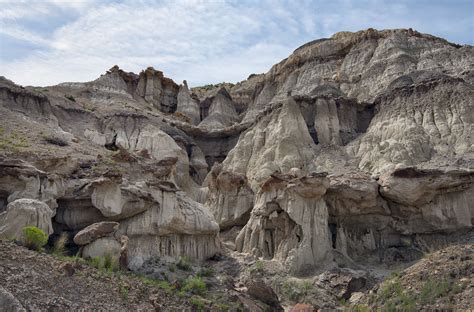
<point x="106" y="263"/>
<point x="34" y="238"/>
<point x="70" y="98"/>
<point x="198" y="302"/>
<point x="257" y="267"/>
<point x="109" y="263"/>
<point x="123" y="289"/>
<point x="165" y="286"/>
<point x="206" y="272"/>
<point x="297" y="291"/>
<point x="96" y="262"/>
<point x="184" y="264"/>
<point x="194" y="285"/>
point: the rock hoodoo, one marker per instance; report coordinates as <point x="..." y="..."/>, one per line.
<point x="355" y="149"/>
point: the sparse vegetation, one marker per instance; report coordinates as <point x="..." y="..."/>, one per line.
<point x="194" y="285"/>
<point x="213" y="86"/>
<point x="70" y="98"/>
<point x="296" y="291"/>
<point x="206" y="272"/>
<point x="393" y="296"/>
<point x="106" y="263"/>
<point x="257" y="267"/>
<point x="13" y="142"/>
<point x="198" y="302"/>
<point x="184" y="264"/>
<point x="34" y="238"/>
<point x="88" y="107"/>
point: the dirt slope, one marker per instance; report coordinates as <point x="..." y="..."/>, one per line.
<point x="39" y="282"/>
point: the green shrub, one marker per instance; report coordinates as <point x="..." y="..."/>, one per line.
<point x="184" y="264"/>
<point x="110" y="263"/>
<point x="194" y="285"/>
<point x="123" y="289"/>
<point x="165" y="286"/>
<point x="198" y="302"/>
<point x="257" y="267"/>
<point x="13" y="141"/>
<point x="70" y="98"/>
<point x="96" y="262"/>
<point x="206" y="272"/>
<point x="296" y="292"/>
<point x="34" y="238"/>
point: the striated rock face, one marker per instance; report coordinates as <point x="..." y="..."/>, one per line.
<point x="25" y="212"/>
<point x="157" y="90"/>
<point x="289" y="222"/>
<point x="95" y="231"/>
<point x="188" y="106"/>
<point x="355" y="149"/>
<point x="221" y="112"/>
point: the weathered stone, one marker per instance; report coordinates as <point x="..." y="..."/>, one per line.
<point x="95" y="231"/>
<point x="188" y="106"/>
<point x="103" y="247"/>
<point x="261" y="291"/>
<point x="221" y="113"/>
<point x="8" y="302"/>
<point x="25" y="212"/>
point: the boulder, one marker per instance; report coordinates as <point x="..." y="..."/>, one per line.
<point x="25" y="212"/>
<point x="117" y="200"/>
<point x="95" y="231"/>
<point x="8" y="302"/>
<point x="102" y="247"/>
<point x="259" y="290"/>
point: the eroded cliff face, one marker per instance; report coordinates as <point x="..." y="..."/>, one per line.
<point x="354" y="149"/>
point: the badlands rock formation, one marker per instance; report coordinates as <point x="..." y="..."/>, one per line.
<point x="355" y="149"/>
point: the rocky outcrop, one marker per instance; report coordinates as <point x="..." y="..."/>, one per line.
<point x="221" y="111"/>
<point x="188" y="106"/>
<point x="277" y="143"/>
<point x="174" y="226"/>
<point x="289" y="223"/>
<point x="422" y="119"/>
<point x="25" y="212"/>
<point x="95" y="231"/>
<point x="8" y="302"/>
<point x="157" y="90"/>
<point x="435" y="200"/>
<point x="387" y="114"/>
<point x="101" y="248"/>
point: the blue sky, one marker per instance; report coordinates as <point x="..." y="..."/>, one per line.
<point x="50" y="41"/>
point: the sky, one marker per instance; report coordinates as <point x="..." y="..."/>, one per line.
<point x="46" y="42"/>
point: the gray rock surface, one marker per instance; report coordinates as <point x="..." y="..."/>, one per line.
<point x="387" y="115"/>
<point x="95" y="231"/>
<point x="25" y="212"/>
<point x="188" y="106"/>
